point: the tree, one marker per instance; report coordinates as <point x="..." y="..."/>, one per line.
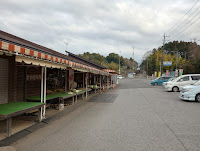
<point x="112" y="57"/>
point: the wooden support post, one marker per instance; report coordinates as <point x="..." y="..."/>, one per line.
<point x="45" y="90"/>
<point x="25" y="83"/>
<point x="9" y="123"/>
<point x="73" y="100"/>
<point x="107" y="82"/>
<point x="100" y="85"/>
<point x="42" y="90"/>
<point x="94" y="79"/>
<point x="39" y="114"/>
<point x="65" y="80"/>
<point x="86" y="85"/>
<point x="76" y="99"/>
<point x="83" y="80"/>
<point x="110" y="81"/>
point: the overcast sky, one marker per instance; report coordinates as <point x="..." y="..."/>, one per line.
<point x="100" y="26"/>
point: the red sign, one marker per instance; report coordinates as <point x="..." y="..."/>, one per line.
<point x="167" y="72"/>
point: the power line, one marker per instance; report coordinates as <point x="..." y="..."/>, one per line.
<point x="185" y="22"/>
<point x="190" y="25"/>
<point x="174" y="27"/>
<point x="187" y="26"/>
<point x="183" y="16"/>
<point x="191" y="31"/>
<point x="183" y="25"/>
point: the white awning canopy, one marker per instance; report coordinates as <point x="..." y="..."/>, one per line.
<point x="81" y="70"/>
<point x="39" y="62"/>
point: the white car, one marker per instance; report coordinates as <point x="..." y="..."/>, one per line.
<point x="165" y="83"/>
<point x="191" y="92"/>
<point x="119" y="77"/>
<point x="178" y="83"/>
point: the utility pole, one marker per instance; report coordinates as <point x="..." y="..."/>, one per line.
<point x="147" y="68"/>
<point x="133" y="61"/>
<point x="162" y="52"/>
<point x="160" y="66"/>
<point x="119" y="61"/>
<point x="194" y="40"/>
<point x="176" y="60"/>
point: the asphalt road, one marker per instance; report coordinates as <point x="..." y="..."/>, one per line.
<point x="134" y="116"/>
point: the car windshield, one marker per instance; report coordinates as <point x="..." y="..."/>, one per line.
<point x="176" y="79"/>
<point x="171" y="79"/>
<point x="197" y="83"/>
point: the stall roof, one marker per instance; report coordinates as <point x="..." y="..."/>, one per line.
<point x="76" y="57"/>
<point x="30" y="45"/>
<point x="110" y="71"/>
<point x="30" y="52"/>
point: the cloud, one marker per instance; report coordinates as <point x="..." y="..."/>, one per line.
<point x="92" y="25"/>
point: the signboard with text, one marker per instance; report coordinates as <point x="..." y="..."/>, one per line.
<point x="167" y="63"/>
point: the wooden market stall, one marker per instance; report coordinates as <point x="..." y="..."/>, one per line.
<point x="32" y="76"/>
<point x="111" y="79"/>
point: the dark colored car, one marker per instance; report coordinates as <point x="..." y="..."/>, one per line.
<point x="160" y="80"/>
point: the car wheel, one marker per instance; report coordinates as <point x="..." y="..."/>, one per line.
<point x="155" y="83"/>
<point x="175" y="89"/>
<point x="197" y="98"/>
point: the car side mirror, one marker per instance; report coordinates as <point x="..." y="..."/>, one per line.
<point x="181" y="80"/>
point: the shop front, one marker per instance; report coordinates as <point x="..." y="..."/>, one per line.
<point x="38" y="85"/>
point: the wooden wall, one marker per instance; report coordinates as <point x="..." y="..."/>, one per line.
<point x="11" y="73"/>
<point x="19" y="83"/>
<point x="33" y="85"/>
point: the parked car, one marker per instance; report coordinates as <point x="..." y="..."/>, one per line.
<point x="119" y="77"/>
<point x="160" y="80"/>
<point x="171" y="79"/>
<point x="191" y="92"/>
<point x="178" y="83"/>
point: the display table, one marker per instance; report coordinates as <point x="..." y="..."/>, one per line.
<point x="96" y="88"/>
<point x="61" y="96"/>
<point x="80" y="93"/>
<point x="11" y="109"/>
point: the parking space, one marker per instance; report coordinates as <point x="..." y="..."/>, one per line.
<point x="140" y="117"/>
<point x="181" y="117"/>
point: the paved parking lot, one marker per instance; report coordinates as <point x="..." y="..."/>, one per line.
<point x="137" y="116"/>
